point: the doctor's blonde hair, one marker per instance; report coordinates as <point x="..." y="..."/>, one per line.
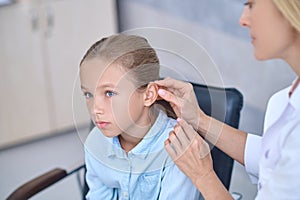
<point x="290" y="10"/>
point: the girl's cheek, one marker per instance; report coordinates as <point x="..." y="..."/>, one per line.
<point x="89" y="105"/>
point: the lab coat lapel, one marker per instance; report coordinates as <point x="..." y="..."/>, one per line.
<point x="276" y="107"/>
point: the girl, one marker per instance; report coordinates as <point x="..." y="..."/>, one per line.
<point x="125" y="156"/>
<point x="272" y="161"/>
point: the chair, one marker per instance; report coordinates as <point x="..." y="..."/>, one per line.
<point x="42" y="182"/>
<point x="223" y="104"/>
<point x="227" y="104"/>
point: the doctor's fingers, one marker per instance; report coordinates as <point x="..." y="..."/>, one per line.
<point x="170" y="97"/>
<point x="198" y="145"/>
<point x="179" y="88"/>
<point x="189" y="131"/>
<point x="197" y="149"/>
<point x="178" y="143"/>
<point x="171" y="151"/>
<point x="175" y="143"/>
<point x="182" y="137"/>
<point x="171" y="84"/>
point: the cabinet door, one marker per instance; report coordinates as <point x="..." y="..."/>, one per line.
<point x="24" y="107"/>
<point x="72" y="26"/>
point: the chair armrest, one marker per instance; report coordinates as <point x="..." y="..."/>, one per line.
<point x="37" y="184"/>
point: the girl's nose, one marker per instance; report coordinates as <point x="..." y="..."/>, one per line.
<point x="244" y="19"/>
<point x="98" y="105"/>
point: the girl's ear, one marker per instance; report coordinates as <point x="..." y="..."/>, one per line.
<point x="150" y="94"/>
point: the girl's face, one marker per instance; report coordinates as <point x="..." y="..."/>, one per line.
<point x="114" y="103"/>
<point x="272" y="35"/>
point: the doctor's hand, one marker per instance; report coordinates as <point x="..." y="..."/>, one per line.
<point x="189" y="152"/>
<point x="182" y="99"/>
<point x="192" y="156"/>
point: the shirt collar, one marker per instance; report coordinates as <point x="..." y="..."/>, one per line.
<point x="294" y="94"/>
<point x="114" y="148"/>
<point x="144" y="147"/>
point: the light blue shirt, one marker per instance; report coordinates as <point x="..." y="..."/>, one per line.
<point x="146" y="173"/>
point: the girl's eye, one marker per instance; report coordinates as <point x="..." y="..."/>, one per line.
<point x="250" y="4"/>
<point x="110" y="93"/>
<point x="87" y="95"/>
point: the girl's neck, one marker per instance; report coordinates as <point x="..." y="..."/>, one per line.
<point x="136" y="134"/>
<point x="128" y="142"/>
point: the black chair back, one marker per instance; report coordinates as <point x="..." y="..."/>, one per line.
<point x="223" y="104"/>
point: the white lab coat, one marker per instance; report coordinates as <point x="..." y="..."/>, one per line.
<point x="273" y="160"/>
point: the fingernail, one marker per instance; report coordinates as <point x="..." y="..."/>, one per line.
<point x="179" y="119"/>
<point x="161" y="92"/>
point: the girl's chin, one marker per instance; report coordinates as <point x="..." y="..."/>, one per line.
<point x="260" y="57"/>
<point x="109" y="134"/>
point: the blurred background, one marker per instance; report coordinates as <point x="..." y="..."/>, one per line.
<point x="43" y="119"/>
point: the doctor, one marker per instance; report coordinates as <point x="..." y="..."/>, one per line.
<point x="272" y="161"/>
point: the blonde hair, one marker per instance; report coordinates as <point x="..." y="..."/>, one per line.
<point x="133" y="53"/>
<point x="290" y="10"/>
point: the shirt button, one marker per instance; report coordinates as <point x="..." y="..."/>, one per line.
<point x="130" y="155"/>
<point x="259" y="186"/>
<point x="267" y="154"/>
<point x="125" y="194"/>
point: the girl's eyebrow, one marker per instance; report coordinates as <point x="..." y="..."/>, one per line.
<point x="84" y="88"/>
<point x="108" y="85"/>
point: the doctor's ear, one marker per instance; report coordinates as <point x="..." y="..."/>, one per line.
<point x="150" y="94"/>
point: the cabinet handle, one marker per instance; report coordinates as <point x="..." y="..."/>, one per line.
<point x="49" y="21"/>
<point x="34" y="20"/>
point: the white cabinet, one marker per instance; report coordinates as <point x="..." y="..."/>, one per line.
<point x="74" y="26"/>
<point x="42" y="43"/>
<point x="24" y="107"/>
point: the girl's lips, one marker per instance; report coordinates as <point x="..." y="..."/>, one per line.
<point x="102" y="124"/>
